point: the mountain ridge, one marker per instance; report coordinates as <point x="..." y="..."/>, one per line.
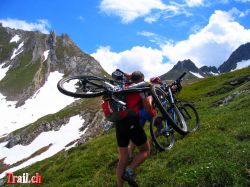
<point x="239" y="56"/>
<point x="31" y="64"/>
<point x="183" y="66"/>
<point x="63" y="56"/>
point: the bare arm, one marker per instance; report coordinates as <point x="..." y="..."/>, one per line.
<point x="147" y="104"/>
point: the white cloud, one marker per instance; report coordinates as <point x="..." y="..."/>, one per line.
<point x="237" y="13"/>
<point x="193" y="3"/>
<point x="205" y="3"/>
<point x="147" y="60"/>
<point x="244" y="13"/>
<point x="170" y="11"/>
<point x="41" y="25"/>
<point x="213" y="44"/>
<point x="130" y="10"/>
<point x="154" y="38"/>
<point x="152" y="17"/>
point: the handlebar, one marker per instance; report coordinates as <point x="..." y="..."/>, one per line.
<point x="179" y="79"/>
<point x="177" y="82"/>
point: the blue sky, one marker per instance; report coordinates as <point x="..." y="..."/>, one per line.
<point x="149" y="35"/>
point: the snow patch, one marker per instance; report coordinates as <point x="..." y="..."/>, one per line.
<point x="17" y="51"/>
<point x="16" y="38"/>
<point x="196" y="74"/>
<point x="243" y="64"/>
<point x="3" y="71"/>
<point x="212" y="73"/>
<point x="59" y="139"/>
<point x="45" y="55"/>
<point x="47" y="100"/>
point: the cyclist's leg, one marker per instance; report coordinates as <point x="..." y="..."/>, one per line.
<point x="123" y="158"/>
<point x="139" y="138"/>
<point x="144" y="116"/>
<point x="144" y="152"/>
<point x="122" y="131"/>
<point x="131" y="149"/>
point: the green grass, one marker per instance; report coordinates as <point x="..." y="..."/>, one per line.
<point x="5" y="45"/>
<point x="15" y="82"/>
<point x="215" y="155"/>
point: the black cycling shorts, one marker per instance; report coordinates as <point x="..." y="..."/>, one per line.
<point x="130" y="129"/>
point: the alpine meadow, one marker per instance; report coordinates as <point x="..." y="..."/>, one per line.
<point x="69" y="70"/>
<point x="215" y="155"/>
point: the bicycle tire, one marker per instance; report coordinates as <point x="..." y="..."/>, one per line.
<point x="161" y="133"/>
<point x="91" y="86"/>
<point x="190" y="115"/>
<point x="160" y="97"/>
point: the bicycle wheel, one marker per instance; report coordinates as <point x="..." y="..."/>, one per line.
<point x="162" y="134"/>
<point x="169" y="110"/>
<point x="190" y="115"/>
<point x="82" y="86"/>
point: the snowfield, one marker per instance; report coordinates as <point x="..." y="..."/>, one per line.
<point x="243" y="64"/>
<point x="59" y="139"/>
<point x="17" y="51"/>
<point x="16" y="38"/>
<point x="3" y="71"/>
<point x="47" y="100"/>
<point x="45" y="55"/>
<point x="196" y="74"/>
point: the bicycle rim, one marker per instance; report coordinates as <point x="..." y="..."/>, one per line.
<point x="162" y="134"/>
<point x="191" y="116"/>
<point x="161" y="100"/>
<point x="180" y="124"/>
<point x="81" y="86"/>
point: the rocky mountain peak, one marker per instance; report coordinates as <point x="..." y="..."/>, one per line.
<point x="240" y="54"/>
<point x="183" y="66"/>
<point x="52" y="40"/>
<point x="187" y="65"/>
<point x="209" y="70"/>
<point x="34" y="55"/>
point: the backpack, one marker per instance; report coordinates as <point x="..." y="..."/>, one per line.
<point x="115" y="112"/>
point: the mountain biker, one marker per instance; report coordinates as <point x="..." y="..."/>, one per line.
<point x="147" y="111"/>
<point x="129" y="129"/>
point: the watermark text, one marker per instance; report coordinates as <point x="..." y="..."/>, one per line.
<point x="23" y="179"/>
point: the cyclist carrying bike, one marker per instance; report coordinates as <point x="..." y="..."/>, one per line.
<point x="146" y="112"/>
<point x="123" y="104"/>
<point x="129" y="129"/>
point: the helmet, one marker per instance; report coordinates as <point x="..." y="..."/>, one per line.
<point x="155" y="80"/>
<point x="137" y="76"/>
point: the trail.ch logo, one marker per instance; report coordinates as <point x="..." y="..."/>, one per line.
<point x="23" y="179"/>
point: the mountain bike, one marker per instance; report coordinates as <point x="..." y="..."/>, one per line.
<point x="176" y="115"/>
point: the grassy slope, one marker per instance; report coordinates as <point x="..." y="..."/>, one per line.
<point x="216" y="155"/>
